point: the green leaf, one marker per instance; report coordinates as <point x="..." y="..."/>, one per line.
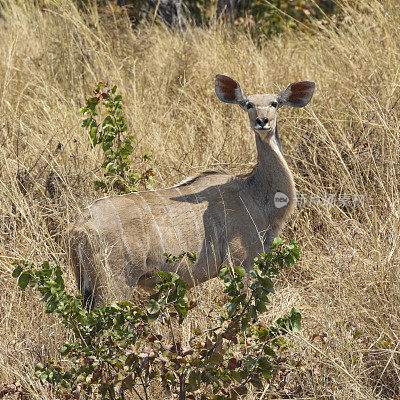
<point x="267" y="374"/>
<point x="240" y="390"/>
<point x="108" y="121"/>
<point x="277" y="242"/>
<point x="106" y="148"/>
<point x="244" y="323"/>
<point x="86" y="122"/>
<point x="125" y="304"/>
<point x="194" y="380"/>
<point x="295" y="319"/>
<point x="146" y="156"/>
<point x="164" y="275"/>
<point x="17" y="271"/>
<point x="174" y="277"/>
<point x="153" y="307"/>
<point x="240" y="271"/>
<point x="267" y="284"/>
<point x="239" y="299"/>
<point x="261" y="307"/>
<point x="182" y="311"/>
<point x="223" y="271"/>
<point x="65" y="350"/>
<point x="269" y="351"/>
<point x="191" y="257"/>
<point x="256" y="382"/>
<point x="231" y="308"/>
<point x="24" y="279"/>
<point x="236" y="376"/>
<point x="216" y="358"/>
<point x="44" y="375"/>
<point x="50" y="308"/>
<point x="46" y="297"/>
<point x="93" y="135"/>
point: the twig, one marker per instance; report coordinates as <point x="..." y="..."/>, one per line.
<point x="172" y="332"/>
<point x="179" y="15"/>
<point x="155" y="12"/>
<point x="144" y="386"/>
<point x="137" y="393"/>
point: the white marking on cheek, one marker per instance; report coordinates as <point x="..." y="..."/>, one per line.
<point x="155" y="223"/>
<point x="126" y="245"/>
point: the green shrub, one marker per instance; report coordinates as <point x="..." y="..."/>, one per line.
<point x="116" y="350"/>
<point x="117" y="146"/>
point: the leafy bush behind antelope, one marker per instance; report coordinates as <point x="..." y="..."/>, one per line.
<point x="344" y="143"/>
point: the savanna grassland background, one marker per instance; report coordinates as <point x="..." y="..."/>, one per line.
<point x="345" y="142"/>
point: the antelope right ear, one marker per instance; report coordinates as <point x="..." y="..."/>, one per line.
<point x="297" y="94"/>
<point x="228" y="90"/>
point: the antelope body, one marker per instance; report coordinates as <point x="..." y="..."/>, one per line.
<point x="121" y="240"/>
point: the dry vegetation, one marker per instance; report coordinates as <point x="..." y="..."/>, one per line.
<point x="345" y="142"/>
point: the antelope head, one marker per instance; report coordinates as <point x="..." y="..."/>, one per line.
<point x="262" y="107"/>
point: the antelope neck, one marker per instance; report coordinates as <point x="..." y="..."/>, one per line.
<point x="271" y="174"/>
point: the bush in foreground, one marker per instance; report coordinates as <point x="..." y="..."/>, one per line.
<point x="116" y="350"/>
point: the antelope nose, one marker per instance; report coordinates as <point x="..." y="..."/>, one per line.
<point x="262" y="122"/>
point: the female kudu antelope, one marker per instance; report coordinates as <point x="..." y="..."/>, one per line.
<point x="121" y="240"/>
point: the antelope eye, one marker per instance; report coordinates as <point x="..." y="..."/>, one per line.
<point x="249" y="105"/>
<point x="274" y="104"/>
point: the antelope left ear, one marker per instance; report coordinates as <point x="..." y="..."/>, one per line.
<point x="228" y="90"/>
<point x="297" y="94"/>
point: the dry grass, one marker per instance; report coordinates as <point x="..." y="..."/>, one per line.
<point x="345" y="142"/>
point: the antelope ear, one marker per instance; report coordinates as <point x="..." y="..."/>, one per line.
<point x="297" y="94"/>
<point x="228" y="90"/>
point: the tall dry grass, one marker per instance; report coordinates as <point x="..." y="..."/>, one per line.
<point x="346" y="142"/>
